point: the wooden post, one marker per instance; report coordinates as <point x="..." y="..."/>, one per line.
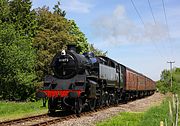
<point x="170" y="112"/>
<point x="177" y="107"/>
<point x="161" y="123"/>
<point x="165" y="122"/>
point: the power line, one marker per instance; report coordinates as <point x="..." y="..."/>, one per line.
<point x="165" y="14"/>
<point x="139" y="15"/>
<point x="169" y="38"/>
<point x="137" y="12"/>
<point x="152" y="12"/>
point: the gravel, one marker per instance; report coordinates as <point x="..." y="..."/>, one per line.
<point x="134" y="106"/>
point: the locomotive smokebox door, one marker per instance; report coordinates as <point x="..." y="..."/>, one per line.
<point x="92" y="93"/>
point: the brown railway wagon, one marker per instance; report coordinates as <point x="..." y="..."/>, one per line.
<point x="150" y="84"/>
<point x="141" y="82"/>
<point x="138" y="82"/>
<point x="131" y="80"/>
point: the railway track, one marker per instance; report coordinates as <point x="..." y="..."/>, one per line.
<point x="45" y="119"/>
<point x="72" y="116"/>
<point x="22" y="120"/>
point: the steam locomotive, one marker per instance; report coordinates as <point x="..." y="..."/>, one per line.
<point x="87" y="81"/>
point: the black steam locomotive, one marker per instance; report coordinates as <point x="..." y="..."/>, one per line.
<point x="88" y="81"/>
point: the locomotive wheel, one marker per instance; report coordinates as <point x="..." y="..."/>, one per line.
<point x="116" y="100"/>
<point x="78" y="106"/>
<point x="106" y="99"/>
<point x="92" y="104"/>
<point x="112" y="99"/>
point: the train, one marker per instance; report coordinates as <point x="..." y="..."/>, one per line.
<point x="85" y="81"/>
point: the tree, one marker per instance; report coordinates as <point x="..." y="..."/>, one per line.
<point x="17" y="27"/>
<point x="4" y="11"/>
<point x="22" y="17"/>
<point x="52" y="36"/>
<point x="57" y="10"/>
<point x="164" y="83"/>
<point x="96" y="51"/>
<point x="79" y="38"/>
<point x="166" y="76"/>
<point x="19" y="13"/>
<point x="17" y="64"/>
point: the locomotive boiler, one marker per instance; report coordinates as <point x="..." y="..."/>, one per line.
<point x="87" y="81"/>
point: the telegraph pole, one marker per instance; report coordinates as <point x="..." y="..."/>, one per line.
<point x="170" y="62"/>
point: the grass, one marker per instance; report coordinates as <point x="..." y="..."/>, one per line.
<point x="123" y="119"/>
<point x="176" y="77"/>
<point x="152" y="117"/>
<point x="13" y="110"/>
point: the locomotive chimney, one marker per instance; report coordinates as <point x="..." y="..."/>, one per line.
<point x="71" y="48"/>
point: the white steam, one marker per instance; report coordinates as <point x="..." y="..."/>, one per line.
<point x="117" y="28"/>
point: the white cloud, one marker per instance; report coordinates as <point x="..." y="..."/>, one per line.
<point x="76" y="6"/>
<point x="117" y="29"/>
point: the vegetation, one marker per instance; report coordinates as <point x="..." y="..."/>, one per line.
<point x="12" y="110"/>
<point x="52" y="36"/>
<point x="28" y="41"/>
<point x="17" y="56"/>
<point x="164" y="84"/>
<point x="152" y="117"/>
<point x="123" y="119"/>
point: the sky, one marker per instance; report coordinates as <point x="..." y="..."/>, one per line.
<point x="127" y="30"/>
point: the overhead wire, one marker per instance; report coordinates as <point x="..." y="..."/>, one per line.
<point x="169" y="38"/>
<point x="162" y="56"/>
<point x="138" y="13"/>
<point x="151" y="10"/>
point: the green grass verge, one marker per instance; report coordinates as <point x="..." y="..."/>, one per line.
<point x="13" y="110"/>
<point x="152" y="117"/>
<point x="123" y="119"/>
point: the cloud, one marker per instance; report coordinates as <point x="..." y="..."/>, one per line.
<point x="76" y="6"/>
<point x="117" y="29"/>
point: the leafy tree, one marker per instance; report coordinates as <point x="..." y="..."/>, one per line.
<point x="166" y="76"/>
<point x="22" y="17"/>
<point x="96" y="51"/>
<point x="52" y="36"/>
<point x="4" y="11"/>
<point x="162" y="86"/>
<point x="17" y="27"/>
<point x="177" y="70"/>
<point x="79" y="38"/>
<point x="57" y="10"/>
<point x="164" y="83"/>
<point x="19" y="13"/>
<point x="17" y="64"/>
